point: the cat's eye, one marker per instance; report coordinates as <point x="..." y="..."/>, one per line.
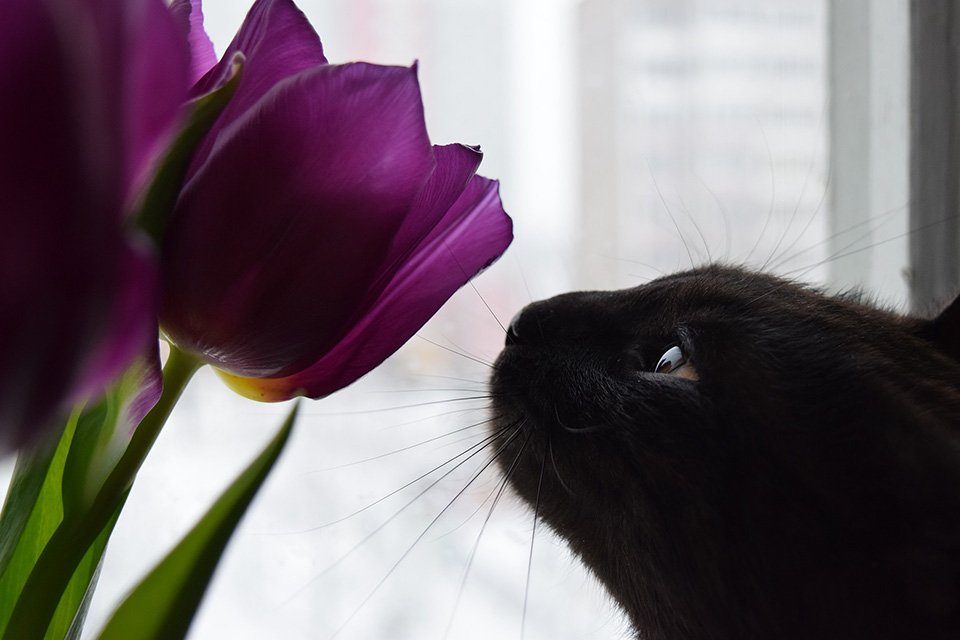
<point x="674" y="362"/>
<point x="672" y="359"/>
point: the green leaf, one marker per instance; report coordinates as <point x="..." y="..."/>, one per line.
<point x="31" y="513"/>
<point x="164" y="603"/>
<point x="67" y="478"/>
<point x="36" y="506"/>
<point x="67" y="621"/>
<point x="161" y="194"/>
<point x="26" y="486"/>
<point x="104" y="431"/>
<point x="85" y="487"/>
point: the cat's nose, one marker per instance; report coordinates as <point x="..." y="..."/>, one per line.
<point x="513" y="334"/>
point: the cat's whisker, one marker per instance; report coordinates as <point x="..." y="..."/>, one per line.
<point x="643" y="278"/>
<point x="479" y="446"/>
<point x="482" y="445"/>
<point x="582" y="430"/>
<point x="519" y="426"/>
<point x="803" y="191"/>
<point x="556" y="469"/>
<point x="483" y="300"/>
<point x="864" y="236"/>
<point x="773" y="290"/>
<point x="466" y="438"/>
<point x="659" y="272"/>
<point x="843" y="253"/>
<point x="432" y="416"/>
<point x="523" y="278"/>
<point x="556" y="413"/>
<point x="415" y="405"/>
<point x="640" y="278"/>
<point x="773" y="192"/>
<point x="724" y="215"/>
<point x="455" y="352"/>
<point x="810" y="219"/>
<point x="426" y="390"/>
<point x="423" y="533"/>
<point x="438" y="377"/>
<point x="407" y="448"/>
<point x="533" y="535"/>
<point x="806" y="227"/>
<point x="693" y="221"/>
<point x="470" y="517"/>
<point x="673" y="219"/>
<point x="803" y="271"/>
<point x="476" y="545"/>
<point x="475" y="290"/>
<point x="462" y="349"/>
<point x="785" y="259"/>
<point x="879" y="243"/>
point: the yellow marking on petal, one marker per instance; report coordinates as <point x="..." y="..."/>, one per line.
<point x="260" y="389"/>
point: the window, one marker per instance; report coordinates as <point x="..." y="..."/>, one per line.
<point x="632" y="138"/>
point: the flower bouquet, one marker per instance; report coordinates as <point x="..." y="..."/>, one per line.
<point x="281" y="219"/>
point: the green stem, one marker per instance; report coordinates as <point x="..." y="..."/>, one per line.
<point x="73" y="537"/>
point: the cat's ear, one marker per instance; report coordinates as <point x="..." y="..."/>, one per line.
<point x="944" y="330"/>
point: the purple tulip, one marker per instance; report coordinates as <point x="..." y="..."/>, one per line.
<point x="91" y="90"/>
<point x="318" y="229"/>
<point x="189" y="14"/>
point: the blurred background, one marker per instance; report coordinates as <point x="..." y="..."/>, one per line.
<point x="632" y="139"/>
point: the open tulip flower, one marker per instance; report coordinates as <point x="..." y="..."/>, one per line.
<point x="318" y="229"/>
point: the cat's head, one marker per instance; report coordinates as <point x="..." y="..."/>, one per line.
<point x="720" y="423"/>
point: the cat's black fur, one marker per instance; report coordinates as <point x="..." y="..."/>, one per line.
<point x="807" y="486"/>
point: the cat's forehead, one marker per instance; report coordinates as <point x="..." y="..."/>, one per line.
<point x="717" y="285"/>
<point x="717" y="294"/>
<point x="711" y="296"/>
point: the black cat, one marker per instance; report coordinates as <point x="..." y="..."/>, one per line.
<point x="736" y="456"/>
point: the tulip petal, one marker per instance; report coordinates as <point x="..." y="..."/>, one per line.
<point x="132" y="324"/>
<point x="316" y="180"/>
<point x="56" y="270"/>
<point x="278" y="42"/>
<point x="69" y="72"/>
<point x="472" y="234"/>
<point x="189" y="13"/>
<point x="154" y="74"/>
<point x="456" y="165"/>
